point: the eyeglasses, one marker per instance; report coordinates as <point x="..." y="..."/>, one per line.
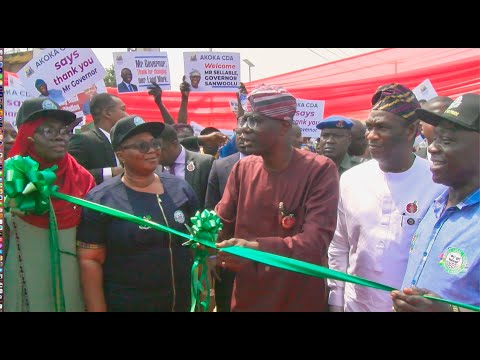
<point x="144" y="147"/>
<point x="248" y="121"/>
<point x="52" y="133"/>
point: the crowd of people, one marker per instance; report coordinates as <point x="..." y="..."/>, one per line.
<point x="392" y="198"/>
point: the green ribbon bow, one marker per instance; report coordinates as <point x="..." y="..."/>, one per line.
<point x="28" y="190"/>
<point x="205" y="227"/>
<point x="29" y="187"/>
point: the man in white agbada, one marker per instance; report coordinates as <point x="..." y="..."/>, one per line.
<point x="381" y="204"/>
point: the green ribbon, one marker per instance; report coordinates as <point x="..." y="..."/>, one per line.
<point x="204" y="229"/>
<point x="28" y="190"/>
<point x="29" y="187"/>
<point x="205" y="226"/>
<point x="278" y="261"/>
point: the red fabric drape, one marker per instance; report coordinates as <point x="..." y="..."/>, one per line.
<point x="346" y="85"/>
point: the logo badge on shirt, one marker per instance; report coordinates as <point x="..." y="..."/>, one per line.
<point x="179" y="216"/>
<point x="190" y="166"/>
<point x="454" y="261"/>
<point x="286" y="218"/>
<point x="412" y="208"/>
<point x="288" y="221"/>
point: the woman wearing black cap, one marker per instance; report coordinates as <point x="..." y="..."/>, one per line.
<point x="31" y="275"/>
<point x="124" y="266"/>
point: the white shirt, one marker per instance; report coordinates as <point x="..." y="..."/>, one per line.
<point x="107" y="172"/>
<point x="179" y="164"/>
<point x="374" y="230"/>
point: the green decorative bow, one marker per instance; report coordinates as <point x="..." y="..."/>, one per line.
<point x="205" y="227"/>
<point x="29" y="187"/>
<point x="28" y="190"/>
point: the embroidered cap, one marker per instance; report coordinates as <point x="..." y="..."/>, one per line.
<point x="272" y="101"/>
<point x="396" y="99"/>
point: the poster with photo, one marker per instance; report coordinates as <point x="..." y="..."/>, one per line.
<point x="61" y="73"/>
<point x="80" y="104"/>
<point x="16" y="94"/>
<point x="135" y="70"/>
<point x="212" y="71"/>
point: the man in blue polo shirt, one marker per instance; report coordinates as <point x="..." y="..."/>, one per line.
<point x="445" y="253"/>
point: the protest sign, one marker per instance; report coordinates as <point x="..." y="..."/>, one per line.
<point x="142" y="67"/>
<point x="425" y="91"/>
<point x="61" y="73"/>
<point x="309" y="114"/>
<point x="80" y="103"/>
<point x="15" y="95"/>
<point x="212" y="71"/>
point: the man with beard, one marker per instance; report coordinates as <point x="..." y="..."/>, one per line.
<point x="280" y="200"/>
<point x="444" y="256"/>
<point x="382" y="201"/>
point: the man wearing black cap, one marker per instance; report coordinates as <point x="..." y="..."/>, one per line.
<point x="382" y="201"/>
<point x="444" y="253"/>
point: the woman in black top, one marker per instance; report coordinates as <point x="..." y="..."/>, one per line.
<point x="124" y="266"/>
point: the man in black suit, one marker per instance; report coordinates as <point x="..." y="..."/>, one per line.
<point x="92" y="148"/>
<point x="125" y="85"/>
<point x="216" y="186"/>
<point x="191" y="166"/>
